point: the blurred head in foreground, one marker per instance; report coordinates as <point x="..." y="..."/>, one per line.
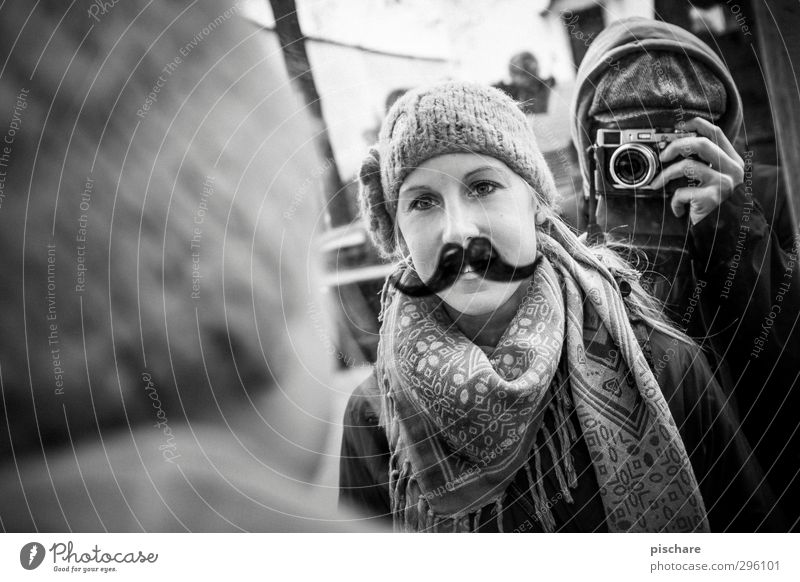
<point x="160" y="359"/>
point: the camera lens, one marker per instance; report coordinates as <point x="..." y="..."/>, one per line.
<point x="633" y="165"/>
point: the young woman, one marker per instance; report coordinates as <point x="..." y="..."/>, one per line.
<point x="549" y="403"/>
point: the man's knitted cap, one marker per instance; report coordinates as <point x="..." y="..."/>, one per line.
<point x="451" y="117"/>
<point x="658" y="89"/>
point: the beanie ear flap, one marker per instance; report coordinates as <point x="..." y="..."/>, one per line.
<point x="374" y="206"/>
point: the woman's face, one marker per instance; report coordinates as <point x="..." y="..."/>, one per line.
<point x="457" y="197"/>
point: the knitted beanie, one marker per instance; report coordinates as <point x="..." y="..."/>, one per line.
<point x="658" y="88"/>
<point x="451" y="117"/>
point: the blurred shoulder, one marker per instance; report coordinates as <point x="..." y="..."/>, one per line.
<point x="364" y="404"/>
<point x="684" y="376"/>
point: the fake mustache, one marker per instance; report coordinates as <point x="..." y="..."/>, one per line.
<point x="454" y="260"/>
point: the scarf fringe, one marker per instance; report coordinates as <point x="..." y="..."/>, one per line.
<point x="498" y="508"/>
<point x="545" y="516"/>
<point x="422" y="514"/>
<point x="566" y="433"/>
<point x="562" y="463"/>
<point x="421" y="518"/>
<point x="417" y="516"/>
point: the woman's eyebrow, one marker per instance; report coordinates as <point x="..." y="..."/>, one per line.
<point x="412" y="189"/>
<point x="476" y="171"/>
<point x="467" y="177"/>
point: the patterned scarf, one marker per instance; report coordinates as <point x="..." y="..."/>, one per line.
<point x="461" y="424"/>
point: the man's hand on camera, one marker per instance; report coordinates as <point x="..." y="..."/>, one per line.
<point x="715" y="177"/>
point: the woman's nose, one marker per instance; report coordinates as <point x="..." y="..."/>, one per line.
<point x="461" y="225"/>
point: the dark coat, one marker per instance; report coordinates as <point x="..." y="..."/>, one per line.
<point x="731" y="482"/>
<point x="746" y="253"/>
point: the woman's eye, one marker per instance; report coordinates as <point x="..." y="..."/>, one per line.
<point x="484" y="188"/>
<point x="422" y="203"/>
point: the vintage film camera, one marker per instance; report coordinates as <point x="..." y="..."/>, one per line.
<point x="629" y="159"/>
<point x="624" y="209"/>
<point x="624" y="163"/>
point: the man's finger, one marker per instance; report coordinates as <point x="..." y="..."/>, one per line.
<point x="715" y="134"/>
<point x="702" y="148"/>
<point x="686" y="168"/>
<point x="680" y="199"/>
